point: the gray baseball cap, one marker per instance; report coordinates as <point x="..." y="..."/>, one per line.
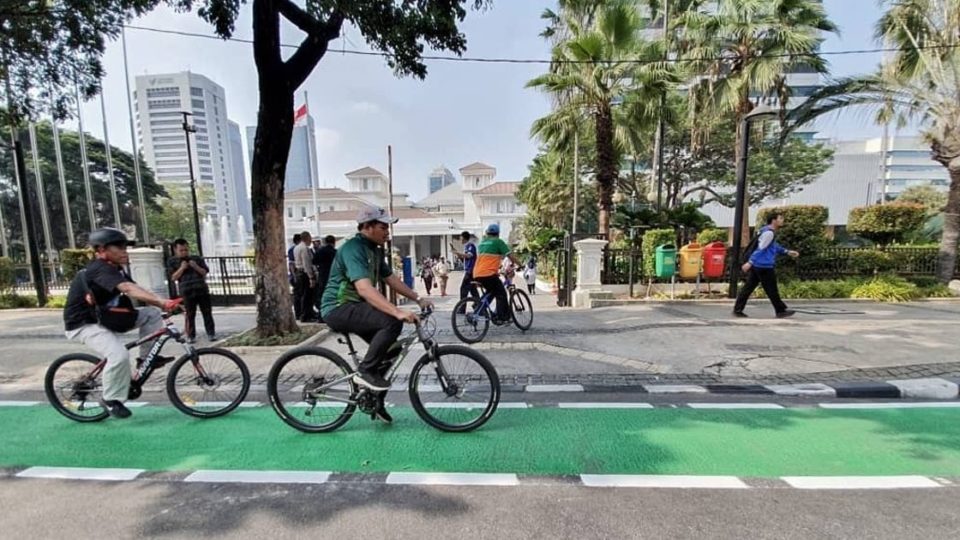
<point x="374" y="213"/>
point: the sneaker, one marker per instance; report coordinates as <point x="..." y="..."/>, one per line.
<point x="213" y="337"/>
<point x="371" y="381"/>
<point x="116" y="409"/>
<point x="382" y="415"/>
<point x="785" y="314"/>
<point x="191" y="340"/>
<point x="740" y="314"/>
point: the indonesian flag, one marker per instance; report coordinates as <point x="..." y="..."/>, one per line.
<point x="300" y="114"/>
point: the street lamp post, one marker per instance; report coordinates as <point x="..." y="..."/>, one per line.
<point x="760" y="111"/>
<point x="187" y="130"/>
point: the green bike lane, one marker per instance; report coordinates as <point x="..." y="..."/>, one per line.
<point x="534" y="441"/>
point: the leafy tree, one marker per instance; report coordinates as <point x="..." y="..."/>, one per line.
<point x="77" y="207"/>
<point x="886" y="223"/>
<point x="803" y="229"/>
<point x="921" y="82"/>
<point x="741" y="48"/>
<point x="46" y="45"/>
<point x="595" y="68"/>
<point x="173" y="216"/>
<point x="929" y="197"/>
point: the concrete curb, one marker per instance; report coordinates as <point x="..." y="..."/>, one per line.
<point x="280" y="349"/>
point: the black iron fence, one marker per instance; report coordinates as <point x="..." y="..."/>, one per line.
<point x="830" y="263"/>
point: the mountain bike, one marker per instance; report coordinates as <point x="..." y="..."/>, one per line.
<point x="204" y="383"/>
<point x="471" y="316"/>
<point x="452" y="388"/>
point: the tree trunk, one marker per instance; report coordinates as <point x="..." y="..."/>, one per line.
<point x="606" y="167"/>
<point x="271" y="148"/>
<point x="947" y="258"/>
<point x="745" y="231"/>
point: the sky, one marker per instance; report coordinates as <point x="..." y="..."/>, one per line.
<point x="461" y="112"/>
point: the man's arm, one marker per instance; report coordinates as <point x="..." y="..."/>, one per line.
<point x="137" y="292"/>
<point x="178" y="273"/>
<point x="199" y="267"/>
<point x="372" y="296"/>
<point x="398" y="285"/>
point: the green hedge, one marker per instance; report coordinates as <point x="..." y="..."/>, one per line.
<point x="8" y="275"/>
<point x="708" y="236"/>
<point x="74" y="260"/>
<point x="871" y="262"/>
<point x="652" y="239"/>
<point x="886" y="223"/>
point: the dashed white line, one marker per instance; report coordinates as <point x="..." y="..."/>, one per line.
<point x="453" y="479"/>
<point x="605" y="405"/>
<point x="81" y="473"/>
<point x="734" y="406"/>
<point x="908" y="405"/>
<point x="10" y="403"/>
<point x="554" y="388"/>
<point x="259" y="477"/>
<point x="662" y="481"/>
<point x="859" y="482"/>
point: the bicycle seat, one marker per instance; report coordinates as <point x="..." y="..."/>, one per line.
<point x="476" y="284"/>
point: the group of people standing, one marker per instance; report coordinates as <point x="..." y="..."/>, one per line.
<point x="308" y="265"/>
<point x="435" y="271"/>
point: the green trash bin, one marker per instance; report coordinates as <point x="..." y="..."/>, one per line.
<point x="666" y="261"/>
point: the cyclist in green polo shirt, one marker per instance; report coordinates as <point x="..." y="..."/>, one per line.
<point x="353" y="304"/>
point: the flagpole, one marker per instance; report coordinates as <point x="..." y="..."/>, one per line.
<point x="133" y="141"/>
<point x="64" y="197"/>
<point x="106" y="145"/>
<point x="42" y="198"/>
<point x="85" y="164"/>
<point x="311" y="166"/>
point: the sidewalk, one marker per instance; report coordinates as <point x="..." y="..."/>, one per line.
<point x="657" y="343"/>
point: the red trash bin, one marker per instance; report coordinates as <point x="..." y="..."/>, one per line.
<point x="714" y="260"/>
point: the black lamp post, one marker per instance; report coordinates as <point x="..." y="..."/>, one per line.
<point x="30" y="234"/>
<point x="760" y="111"/>
<point x="187" y="130"/>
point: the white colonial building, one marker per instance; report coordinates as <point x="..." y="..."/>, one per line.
<point x="426" y="227"/>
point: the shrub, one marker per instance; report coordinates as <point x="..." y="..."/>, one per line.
<point x="13" y="301"/>
<point x="56" y="301"/>
<point x="652" y="239"/>
<point x="803" y="229"/>
<point x="871" y="262"/>
<point x="74" y="260"/>
<point x="887" y="223"/>
<point x="708" y="236"/>
<point x="887" y="289"/>
<point x="8" y="276"/>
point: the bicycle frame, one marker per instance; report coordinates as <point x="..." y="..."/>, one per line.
<point x="161" y="337"/>
<point x="406" y="343"/>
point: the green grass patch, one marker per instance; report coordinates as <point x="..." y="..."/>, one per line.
<point x="250" y="338"/>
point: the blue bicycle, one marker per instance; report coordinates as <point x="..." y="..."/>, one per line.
<point x="472" y="317"/>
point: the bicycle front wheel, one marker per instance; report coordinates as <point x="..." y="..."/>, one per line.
<point x="470" y="322"/>
<point x="456" y="390"/>
<point x="522" y="310"/>
<point x="210" y="383"/>
<point x="312" y="390"/>
<point x="74" y="386"/>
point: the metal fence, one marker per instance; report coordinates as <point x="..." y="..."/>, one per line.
<point x="830" y="263"/>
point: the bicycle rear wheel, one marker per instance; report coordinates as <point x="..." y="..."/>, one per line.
<point x="208" y="384"/>
<point x="470" y="323"/>
<point x="311" y="389"/>
<point x="74" y="389"/>
<point x="456" y="390"/>
<point x="522" y="310"/>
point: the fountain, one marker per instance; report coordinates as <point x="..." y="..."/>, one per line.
<point x="242" y="235"/>
<point x="208" y="237"/>
<point x="224" y="248"/>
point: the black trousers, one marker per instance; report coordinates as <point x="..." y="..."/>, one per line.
<point x="466" y="286"/>
<point x="297" y="295"/>
<point x="494" y="285"/>
<point x="767" y="278"/>
<point x="373" y="326"/>
<point x="307" y="297"/>
<point x="190" y="305"/>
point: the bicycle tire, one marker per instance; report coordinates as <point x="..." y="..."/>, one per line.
<point x="520" y="299"/>
<point x="287" y="412"/>
<point x="467" y="315"/>
<point x="49" y="388"/>
<point x="209" y="386"/>
<point x="430" y="411"/>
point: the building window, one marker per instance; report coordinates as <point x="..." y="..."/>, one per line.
<point x="290" y="212"/>
<point x="303" y="211"/>
<point x="197" y="103"/>
<point x="167" y="91"/>
<point x="163" y="104"/>
<point x="198" y="92"/>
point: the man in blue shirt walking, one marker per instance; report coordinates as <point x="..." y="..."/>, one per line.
<point x="760" y="269"/>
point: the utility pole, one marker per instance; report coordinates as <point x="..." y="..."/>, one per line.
<point x="187" y="130"/>
<point x="113" y="181"/>
<point x="133" y="141"/>
<point x="85" y="164"/>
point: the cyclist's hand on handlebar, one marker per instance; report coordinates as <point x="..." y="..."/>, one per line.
<point x="406" y="316"/>
<point x="425" y="305"/>
<point x="172" y="305"/>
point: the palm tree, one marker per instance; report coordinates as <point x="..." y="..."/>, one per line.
<point x="741" y="51"/>
<point x="601" y="64"/>
<point x="920" y="82"/>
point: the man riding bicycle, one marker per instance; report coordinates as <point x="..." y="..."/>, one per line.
<point x="102" y="291"/>
<point x="490" y="254"/>
<point x="352" y="304"/>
